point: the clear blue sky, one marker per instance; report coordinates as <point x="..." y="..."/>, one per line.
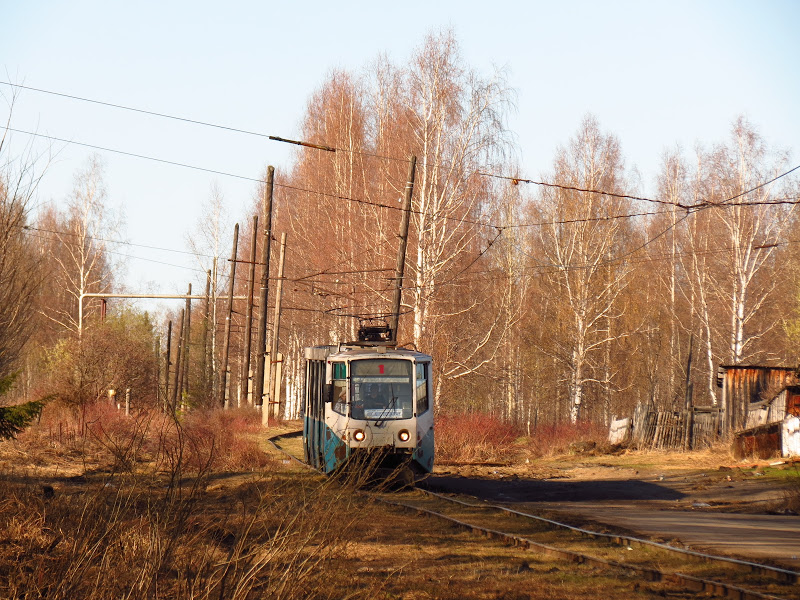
<point x="654" y="73"/>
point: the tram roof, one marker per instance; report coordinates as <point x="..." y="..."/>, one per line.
<point x="359" y="350"/>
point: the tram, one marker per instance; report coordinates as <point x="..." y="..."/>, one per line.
<point x="368" y="400"/>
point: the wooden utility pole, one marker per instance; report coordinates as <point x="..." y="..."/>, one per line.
<point x="184" y="365"/>
<point x="248" y="326"/>
<point x="261" y="342"/>
<point x="157" y="351"/>
<point x="175" y="391"/>
<point x="274" y="383"/>
<point x="213" y="367"/>
<point x="166" y="367"/>
<point x="204" y="379"/>
<point x="401" y="250"/>
<point x="228" y="317"/>
<point x="687" y="403"/>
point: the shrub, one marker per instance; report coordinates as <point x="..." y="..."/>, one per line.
<point x="474" y="437"/>
<point x="224" y="439"/>
<point x="14" y="419"/>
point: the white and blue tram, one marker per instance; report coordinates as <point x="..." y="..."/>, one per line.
<point x="370" y="401"/>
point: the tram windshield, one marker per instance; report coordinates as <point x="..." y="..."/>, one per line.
<point x="381" y="389"/>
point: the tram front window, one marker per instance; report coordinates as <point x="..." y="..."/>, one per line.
<point x="381" y="389"/>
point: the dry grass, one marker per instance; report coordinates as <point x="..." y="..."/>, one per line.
<point x="148" y="507"/>
<point x="564" y="438"/>
<point x="153" y="507"/>
<point x="137" y="538"/>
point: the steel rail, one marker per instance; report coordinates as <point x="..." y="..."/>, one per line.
<point x="784" y="575"/>
<point x="698" y="584"/>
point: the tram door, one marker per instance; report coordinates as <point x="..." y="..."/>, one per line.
<point x="313" y="428"/>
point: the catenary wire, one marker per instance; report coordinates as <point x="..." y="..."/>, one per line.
<point x="306" y="279"/>
<point x="514" y="180"/>
<point x="398" y="208"/>
<point x="241" y="177"/>
<point x="498" y="274"/>
<point x="302" y="279"/>
<point x="726" y="201"/>
<point x="324" y="271"/>
<point x="194" y="121"/>
<point x="480" y="223"/>
<point x="788" y="200"/>
<point x="120" y="242"/>
<point x="200" y="254"/>
<point x="107" y="251"/>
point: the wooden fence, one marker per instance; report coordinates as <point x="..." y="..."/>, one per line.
<point x="691" y="429"/>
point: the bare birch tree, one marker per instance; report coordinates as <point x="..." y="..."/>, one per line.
<point x="81" y="238"/>
<point x="457" y="122"/>
<point x="579" y="248"/>
<point x="210" y="244"/>
<point x="752" y="226"/>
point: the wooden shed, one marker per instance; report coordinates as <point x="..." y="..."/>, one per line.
<point x="772" y="428"/>
<point x="776" y="409"/>
<point x="745" y="385"/>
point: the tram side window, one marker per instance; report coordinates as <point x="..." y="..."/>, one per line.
<point x="422" y="388"/>
<point x="340" y="387"/>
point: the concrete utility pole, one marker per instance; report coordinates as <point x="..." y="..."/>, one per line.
<point x="248" y="326"/>
<point x="401" y="251"/>
<point x="223" y="392"/>
<point x="274" y="383"/>
<point x="261" y="342"/>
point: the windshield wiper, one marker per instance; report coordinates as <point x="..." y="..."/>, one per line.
<point x="381" y="420"/>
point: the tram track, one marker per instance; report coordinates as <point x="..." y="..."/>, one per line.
<point x="703" y="573"/>
<point x="684" y="569"/>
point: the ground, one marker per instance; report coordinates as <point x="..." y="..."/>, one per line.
<point x="705" y="500"/>
<point x="384" y="553"/>
<point x="708" y="479"/>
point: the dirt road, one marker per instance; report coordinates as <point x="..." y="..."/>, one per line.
<point x="715" y="512"/>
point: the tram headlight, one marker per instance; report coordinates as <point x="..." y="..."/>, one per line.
<point x="404" y="436"/>
<point x="358" y="435"/>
